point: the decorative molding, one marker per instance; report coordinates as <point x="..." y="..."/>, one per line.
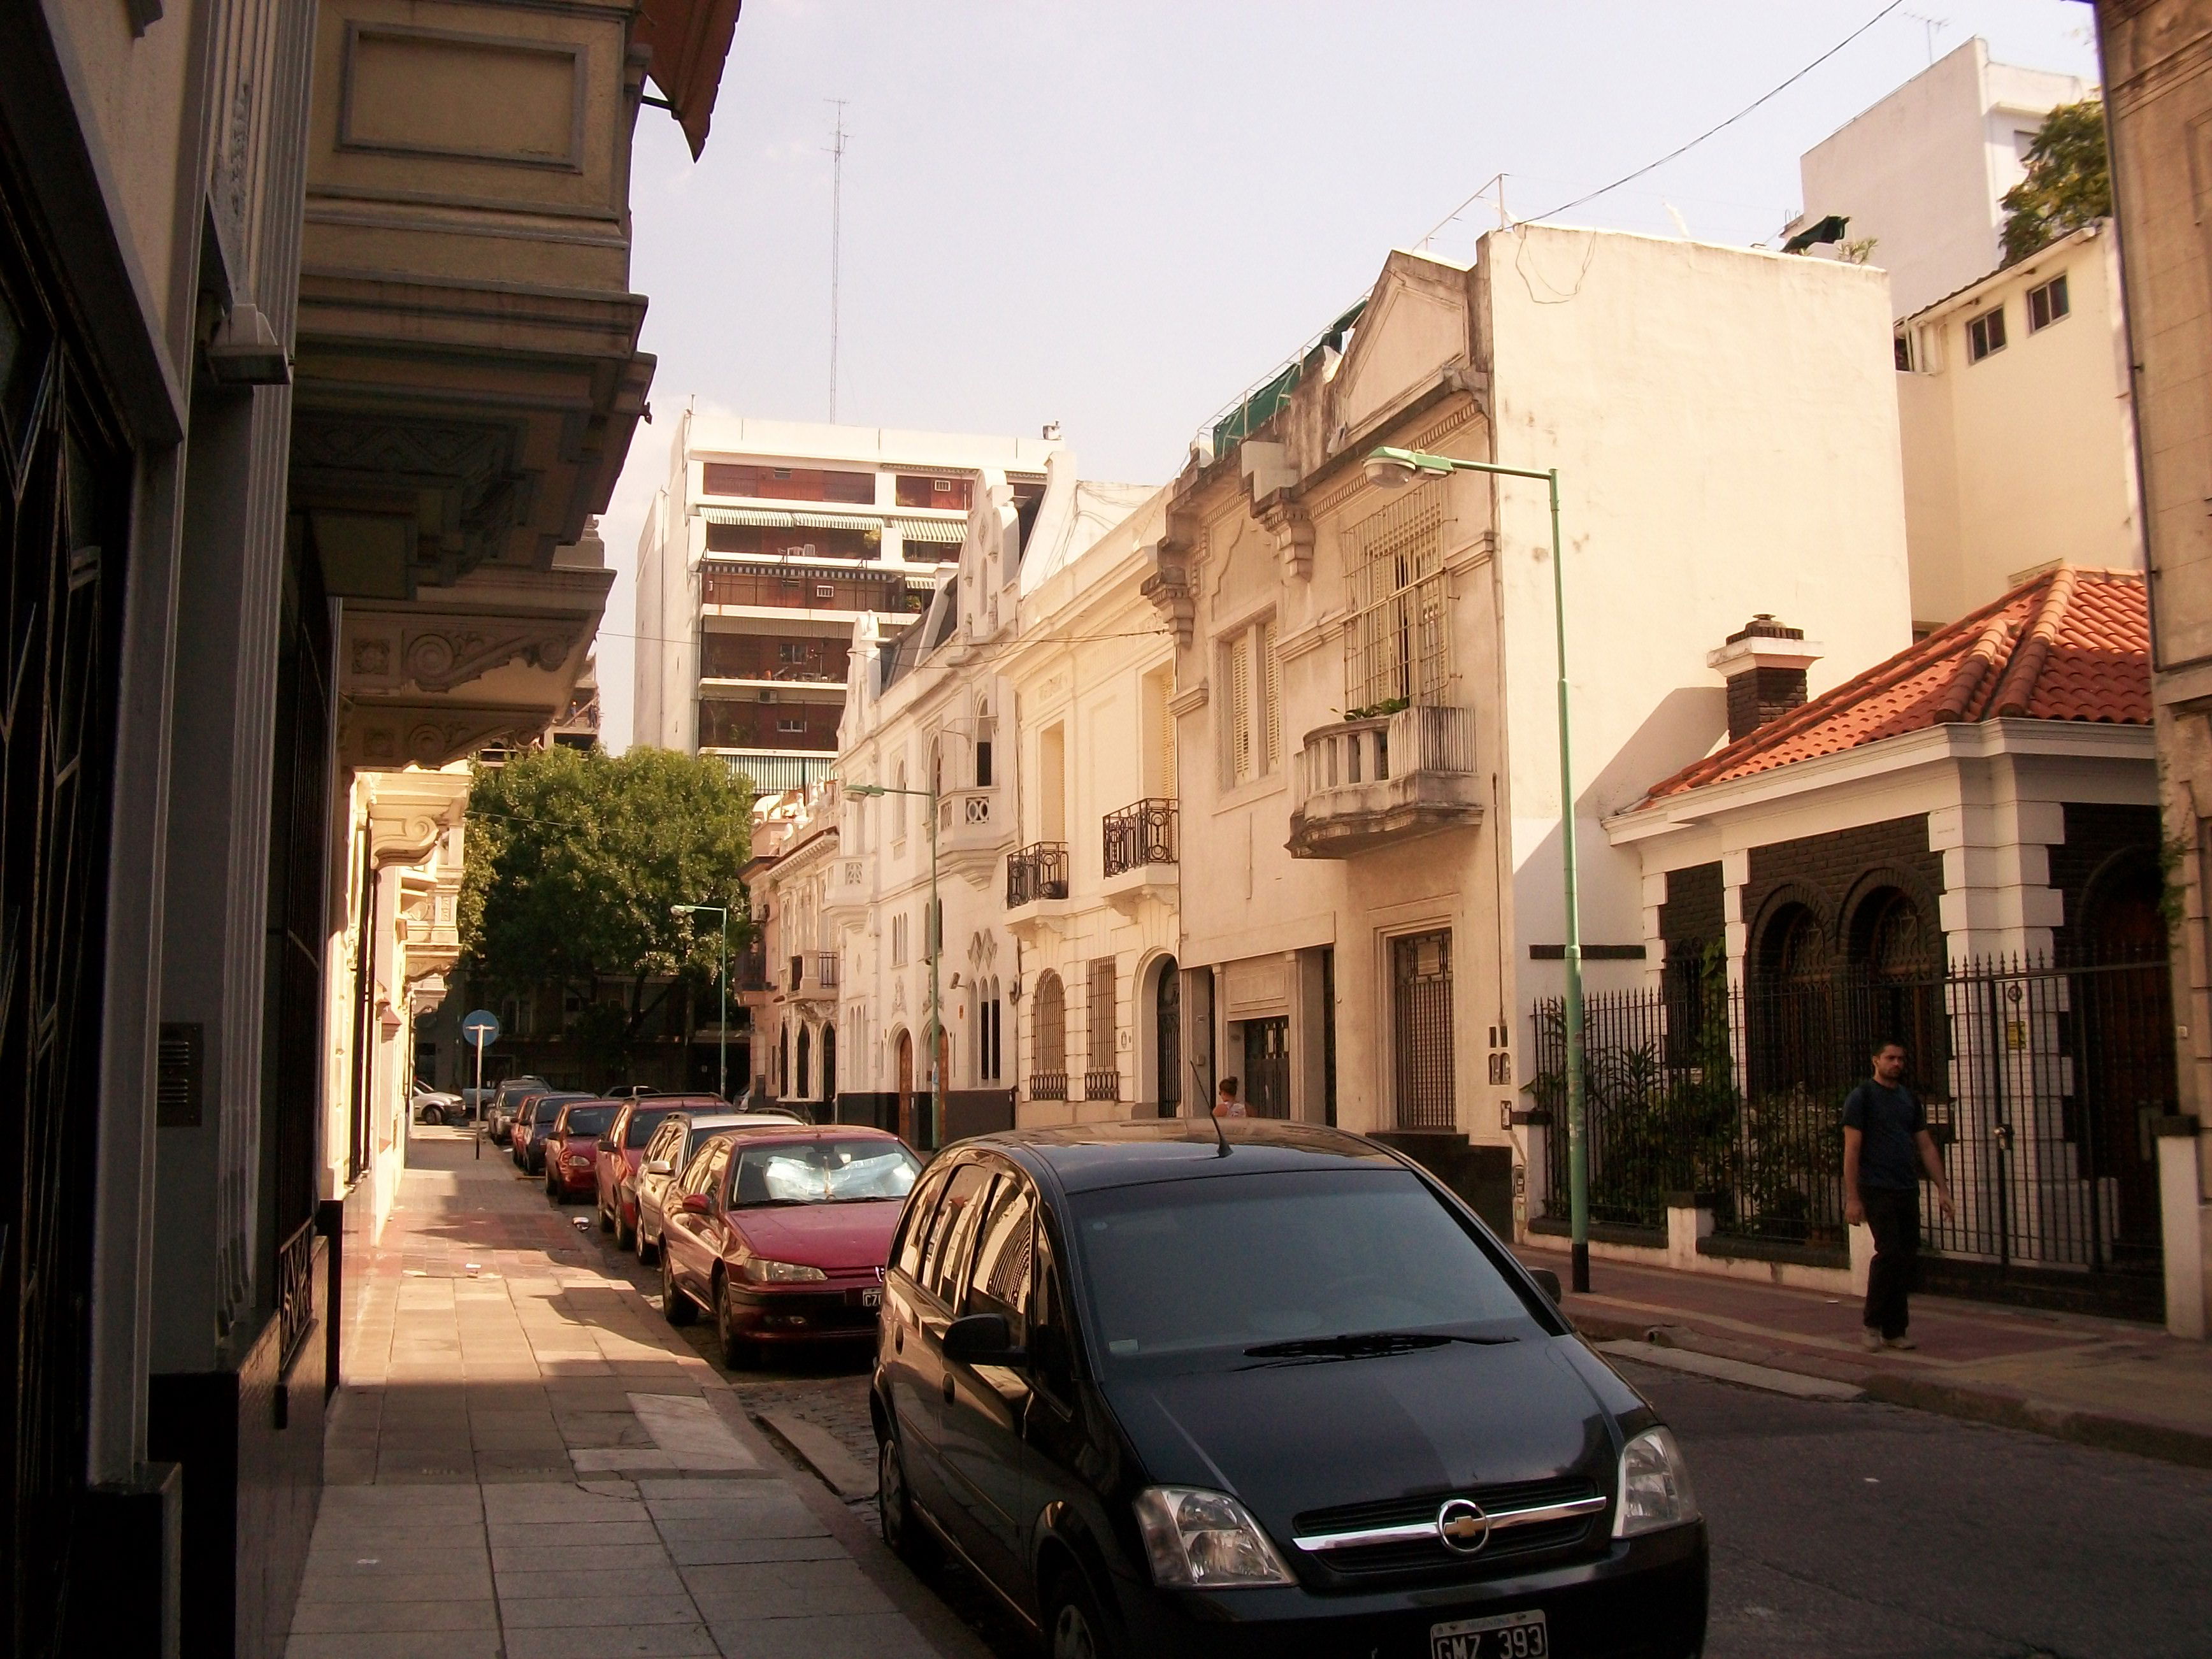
<point x="374" y="737"/>
<point x="1284" y="518"/>
<point x="358" y="33"/>
<point x="1190" y="701"/>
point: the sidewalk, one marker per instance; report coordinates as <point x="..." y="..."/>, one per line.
<point x="2101" y="1381"/>
<point x="525" y="1462"/>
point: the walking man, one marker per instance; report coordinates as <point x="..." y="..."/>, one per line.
<point x="1886" y="1146"/>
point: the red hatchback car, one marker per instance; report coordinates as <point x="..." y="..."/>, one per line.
<point x="615" y="1172"/>
<point x="782" y="1235"/>
<point x="571" y="1147"/>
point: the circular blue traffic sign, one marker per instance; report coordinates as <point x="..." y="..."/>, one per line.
<point x="481" y="1028"/>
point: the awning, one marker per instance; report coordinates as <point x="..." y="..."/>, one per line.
<point x="932" y="530"/>
<point x="756" y="516"/>
<point x="834" y="521"/>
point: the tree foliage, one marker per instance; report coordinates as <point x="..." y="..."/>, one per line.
<point x="574" y="857"/>
<point x="2069" y="183"/>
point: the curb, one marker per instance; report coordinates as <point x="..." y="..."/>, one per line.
<point x="2106" y="1430"/>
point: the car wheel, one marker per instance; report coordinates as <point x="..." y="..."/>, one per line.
<point x="909" y="1539"/>
<point x="738" y="1354"/>
<point x="434" y="1114"/>
<point x="676" y="1308"/>
<point x="1074" y="1628"/>
<point x="647" y="1251"/>
<point x="606" y="1221"/>
<point x="552" y="1187"/>
<point x="625" y="1235"/>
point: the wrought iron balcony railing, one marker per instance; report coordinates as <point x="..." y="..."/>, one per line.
<point x="1101" y="1085"/>
<point x="1047" y="1086"/>
<point x="1141" y="833"/>
<point x="1038" y="871"/>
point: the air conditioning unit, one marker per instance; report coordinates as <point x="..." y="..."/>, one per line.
<point x="824" y="591"/>
<point x="943" y="486"/>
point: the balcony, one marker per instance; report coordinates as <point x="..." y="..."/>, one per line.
<point x="750" y="971"/>
<point x="814" y="972"/>
<point x="1139" y="843"/>
<point x="1364" y="785"/>
<point x="971" y="833"/>
<point x="1037" y="886"/>
<point x="851" y="892"/>
<point x="1101" y="1085"/>
<point x="1047" y="1086"/>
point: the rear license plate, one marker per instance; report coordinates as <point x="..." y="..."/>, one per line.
<point x="871" y="1298"/>
<point x="1508" y="1636"/>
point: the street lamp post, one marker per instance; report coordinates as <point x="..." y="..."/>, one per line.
<point x="1392" y="469"/>
<point x="933" y="939"/>
<point x="722" y="973"/>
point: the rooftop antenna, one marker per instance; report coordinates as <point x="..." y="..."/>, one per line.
<point x="836" y="238"/>
<point x="1220" y="1135"/>
<point x="1933" y="26"/>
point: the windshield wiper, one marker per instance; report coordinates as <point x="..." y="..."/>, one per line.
<point x="1366" y="1345"/>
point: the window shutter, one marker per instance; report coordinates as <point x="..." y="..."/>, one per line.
<point x="1240" y="708"/>
<point x="1270" y="671"/>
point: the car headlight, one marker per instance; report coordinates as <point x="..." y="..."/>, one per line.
<point x="763" y="1271"/>
<point x="1205" y="1541"/>
<point x="579" y="1162"/>
<point x="1655" y="1487"/>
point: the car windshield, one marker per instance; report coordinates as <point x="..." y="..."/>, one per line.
<point x="641" y="1126"/>
<point x="822" y="1172"/>
<point x="1204" y="1271"/>
<point x="588" y="1119"/>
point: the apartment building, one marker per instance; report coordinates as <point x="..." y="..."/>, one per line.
<point x="770" y="540"/>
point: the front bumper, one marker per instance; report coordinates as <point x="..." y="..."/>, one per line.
<point x="1645" y="1598"/>
<point x="804" y="1314"/>
<point x="575" y="1182"/>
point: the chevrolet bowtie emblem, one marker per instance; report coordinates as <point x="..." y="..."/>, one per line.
<point x="1463" y="1526"/>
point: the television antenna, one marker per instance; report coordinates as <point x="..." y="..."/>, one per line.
<point x="837" y="239"/>
<point x="1933" y="26"/>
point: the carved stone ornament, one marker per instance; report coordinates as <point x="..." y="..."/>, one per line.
<point x="1292" y="527"/>
<point x="372" y="738"/>
<point x="1170" y="590"/>
<point x="440" y="658"/>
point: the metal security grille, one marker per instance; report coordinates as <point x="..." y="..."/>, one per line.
<point x="1105" y="1016"/>
<point x="1267" y="1068"/>
<point x="1399" y="647"/>
<point x="1167" y="1037"/>
<point x="1421" y="1021"/>
<point x="1048" y="1040"/>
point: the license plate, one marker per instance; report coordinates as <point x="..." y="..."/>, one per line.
<point x="871" y="1298"/>
<point x="1508" y="1636"/>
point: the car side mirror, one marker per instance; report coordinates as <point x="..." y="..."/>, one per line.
<point x="658" y="1166"/>
<point x="694" y="1204"/>
<point x="983" y="1338"/>
<point x="606" y="1143"/>
<point x="1546" y="1282"/>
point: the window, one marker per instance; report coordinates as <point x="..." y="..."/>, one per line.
<point x="1984" y="334"/>
<point x="896" y="802"/>
<point x="913" y="1225"/>
<point x="946" y="1258"/>
<point x="2046" y="305"/>
<point x="1252" y="673"/>
<point x="791" y="724"/>
<point x="898" y="941"/>
<point x="918" y="489"/>
<point x="787" y="483"/>
<point x="1158" y="734"/>
<point x="1399" y="641"/>
<point x="999" y="1281"/>
<point x="1902" y="345"/>
<point x="1048" y="1040"/>
<point x="1103" y="1014"/>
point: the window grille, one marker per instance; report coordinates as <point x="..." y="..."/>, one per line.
<point x="1421" y="1013"/>
<point x="1399" y="644"/>
<point x="1048" y="1040"/>
<point x="1103" y="1014"/>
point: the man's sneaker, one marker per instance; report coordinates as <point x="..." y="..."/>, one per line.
<point x="1898" y="1342"/>
<point x="1870" y="1339"/>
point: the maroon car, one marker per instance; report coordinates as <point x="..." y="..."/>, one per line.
<point x="781" y="1234"/>
<point x="615" y="1171"/>
<point x="571" y="1147"/>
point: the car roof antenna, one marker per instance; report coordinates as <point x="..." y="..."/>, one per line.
<point x="1220" y="1134"/>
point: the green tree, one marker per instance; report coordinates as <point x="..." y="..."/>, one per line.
<point x="574" y="857"/>
<point x="2069" y="183"/>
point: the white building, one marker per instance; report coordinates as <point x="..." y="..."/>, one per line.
<point x="769" y="540"/>
<point x="1921" y="174"/>
<point x="1365" y="703"/>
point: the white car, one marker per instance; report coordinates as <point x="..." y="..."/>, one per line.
<point x="671" y="1148"/>
<point x="435" y="1105"/>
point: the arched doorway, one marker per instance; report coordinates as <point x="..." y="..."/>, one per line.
<point x="830" y="1072"/>
<point x="1167" y="1037"/>
<point x="2122" y="1012"/>
<point x="783" y="1064"/>
<point x="805" y="1063"/>
<point x="1048" y="1040"/>
<point x="905" y="1073"/>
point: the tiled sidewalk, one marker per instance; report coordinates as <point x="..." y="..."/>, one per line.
<point x="525" y="1462"/>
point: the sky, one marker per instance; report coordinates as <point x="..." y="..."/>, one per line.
<point x="1120" y="214"/>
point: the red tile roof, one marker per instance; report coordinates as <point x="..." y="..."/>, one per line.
<point x="2073" y="644"/>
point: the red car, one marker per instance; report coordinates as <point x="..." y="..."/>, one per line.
<point x="620" y="1149"/>
<point x="781" y="1234"/>
<point x="571" y="1147"/>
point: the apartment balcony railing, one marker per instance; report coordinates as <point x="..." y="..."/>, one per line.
<point x="1101" y="1085"/>
<point x="750" y="971"/>
<point x="1369" y="783"/>
<point x="969" y="823"/>
<point x="825" y="970"/>
<point x="1141" y="833"/>
<point x="1047" y="1086"/>
<point x="1038" y="871"/>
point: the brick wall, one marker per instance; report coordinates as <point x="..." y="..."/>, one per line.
<point x="1694" y="915"/>
<point x="1831" y="872"/>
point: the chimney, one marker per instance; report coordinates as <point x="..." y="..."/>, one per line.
<point x="1764" y="664"/>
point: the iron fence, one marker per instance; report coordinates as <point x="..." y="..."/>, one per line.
<point x="1141" y="833"/>
<point x="2042" y="1082"/>
<point x="296" y="1291"/>
<point x="1038" y="871"/>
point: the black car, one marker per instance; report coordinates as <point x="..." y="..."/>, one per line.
<point x="534" y="1122"/>
<point x="1267" y="1389"/>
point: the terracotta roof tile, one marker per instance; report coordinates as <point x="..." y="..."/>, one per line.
<point x="2073" y="644"/>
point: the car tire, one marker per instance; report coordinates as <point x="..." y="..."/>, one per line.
<point x="606" y="1221"/>
<point x="553" y="1194"/>
<point x="624" y="1233"/>
<point x="434" y="1114"/>
<point x="739" y="1353"/>
<point x="676" y="1308"/>
<point x="1074" y="1628"/>
<point x="647" y="1251"/>
<point x="904" y="1531"/>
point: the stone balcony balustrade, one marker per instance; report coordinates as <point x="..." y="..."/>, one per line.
<point x="1365" y="784"/>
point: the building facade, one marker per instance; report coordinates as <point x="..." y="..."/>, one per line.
<point x="769" y="541"/>
<point x="1365" y="702"/>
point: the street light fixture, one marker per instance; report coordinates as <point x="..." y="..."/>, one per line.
<point x="933" y="939"/>
<point x="1394" y="469"/>
<point x="722" y="972"/>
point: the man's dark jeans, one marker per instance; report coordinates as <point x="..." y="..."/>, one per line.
<point x="1893" y="1216"/>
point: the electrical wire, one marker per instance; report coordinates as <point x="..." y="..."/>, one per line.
<point x="1723" y="126"/>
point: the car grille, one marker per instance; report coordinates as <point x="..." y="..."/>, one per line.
<point x="1506" y="1544"/>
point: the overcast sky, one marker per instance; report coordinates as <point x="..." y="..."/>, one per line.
<point x="1119" y="214"/>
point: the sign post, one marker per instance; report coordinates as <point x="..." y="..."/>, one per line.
<point x="480" y="1029"/>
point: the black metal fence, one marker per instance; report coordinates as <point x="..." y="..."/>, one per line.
<point x="2042" y="1082"/>
<point x="1141" y="833"/>
<point x="1038" y="871"/>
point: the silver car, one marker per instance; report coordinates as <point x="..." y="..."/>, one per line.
<point x="671" y="1148"/>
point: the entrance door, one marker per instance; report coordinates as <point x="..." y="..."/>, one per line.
<point x="1421" y="1021"/>
<point x="830" y="1072"/>
<point x="1167" y="1037"/>
<point x="1267" y="1068"/>
<point x="906" y="1087"/>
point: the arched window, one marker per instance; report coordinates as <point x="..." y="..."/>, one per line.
<point x="2122" y="913"/>
<point x="783" y="1064"/>
<point x="1897" y="957"/>
<point x="1167" y="1037"/>
<point x="1791" y="1009"/>
<point x="829" y="1067"/>
<point x="805" y="1060"/>
<point x="1048" y="1040"/>
<point x="1890" y="938"/>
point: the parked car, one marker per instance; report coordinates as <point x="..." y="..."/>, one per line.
<point x="680" y="1135"/>
<point x="533" y="1121"/>
<point x="621" y="1149"/>
<point x="506" y="1097"/>
<point x="571" y="1146"/>
<point x="430" y="1105"/>
<point x="780" y="1235"/>
<point x="628" y="1091"/>
<point x="1157" y="1382"/>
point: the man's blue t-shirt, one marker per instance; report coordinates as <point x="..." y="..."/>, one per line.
<point x="1887" y="1120"/>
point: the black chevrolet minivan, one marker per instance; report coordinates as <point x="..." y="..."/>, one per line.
<point x="1267" y="1389"/>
